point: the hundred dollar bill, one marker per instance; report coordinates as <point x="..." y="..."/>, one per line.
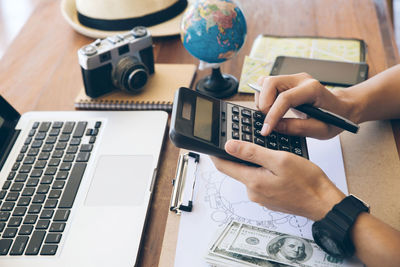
<point x="219" y="256"/>
<point x="261" y="243"/>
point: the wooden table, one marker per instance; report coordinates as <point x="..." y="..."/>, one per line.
<point x="40" y="70"/>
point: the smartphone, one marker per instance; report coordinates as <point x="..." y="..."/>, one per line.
<point x="204" y="124"/>
<point x="336" y="73"/>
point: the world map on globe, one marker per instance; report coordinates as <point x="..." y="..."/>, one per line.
<point x="213" y="30"/>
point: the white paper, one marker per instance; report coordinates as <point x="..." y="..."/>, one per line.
<point x="218" y="199"/>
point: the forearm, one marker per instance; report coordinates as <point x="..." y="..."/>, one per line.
<point x="377" y="244"/>
<point x="378" y="98"/>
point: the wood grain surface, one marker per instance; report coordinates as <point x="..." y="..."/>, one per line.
<point x="40" y="69"/>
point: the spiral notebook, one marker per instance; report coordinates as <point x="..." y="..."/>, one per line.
<point x="158" y="93"/>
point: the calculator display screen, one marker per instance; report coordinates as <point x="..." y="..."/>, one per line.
<point x="203" y="119"/>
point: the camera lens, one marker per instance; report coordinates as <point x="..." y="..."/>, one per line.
<point x="130" y="75"/>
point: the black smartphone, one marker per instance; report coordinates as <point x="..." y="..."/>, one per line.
<point x="204" y="124"/>
<point x="328" y="72"/>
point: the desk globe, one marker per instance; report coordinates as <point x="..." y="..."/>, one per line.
<point x="214" y="31"/>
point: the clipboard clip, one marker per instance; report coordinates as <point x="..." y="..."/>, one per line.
<point x="182" y="194"/>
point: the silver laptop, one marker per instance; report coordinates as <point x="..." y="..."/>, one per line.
<point x="76" y="186"/>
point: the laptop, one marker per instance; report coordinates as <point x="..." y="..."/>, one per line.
<point x="75" y="186"/>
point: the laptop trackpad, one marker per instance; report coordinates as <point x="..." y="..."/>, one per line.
<point x="120" y="180"/>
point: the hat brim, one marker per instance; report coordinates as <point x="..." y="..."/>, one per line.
<point x="68" y="10"/>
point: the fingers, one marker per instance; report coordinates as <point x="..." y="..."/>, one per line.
<point x="241" y="172"/>
<point x="306" y="92"/>
<point x="273" y="85"/>
<point x="268" y="94"/>
<point x="254" y="153"/>
<point x="307" y="127"/>
<point x="256" y="99"/>
<point x="257" y="180"/>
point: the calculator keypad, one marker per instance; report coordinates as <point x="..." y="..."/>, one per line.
<point x="246" y="125"/>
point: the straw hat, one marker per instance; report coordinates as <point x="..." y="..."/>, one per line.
<point x="102" y="18"/>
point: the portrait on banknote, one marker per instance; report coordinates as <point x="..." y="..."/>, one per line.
<point x="289" y="249"/>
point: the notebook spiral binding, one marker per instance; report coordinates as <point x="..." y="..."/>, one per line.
<point x="124" y="105"/>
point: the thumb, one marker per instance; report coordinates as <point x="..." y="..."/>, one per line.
<point x="253" y="153"/>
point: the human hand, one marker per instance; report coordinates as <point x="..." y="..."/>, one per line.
<point x="285" y="182"/>
<point x="280" y="93"/>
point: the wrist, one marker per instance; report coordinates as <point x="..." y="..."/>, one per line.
<point x="353" y="105"/>
<point x="333" y="232"/>
<point x="330" y="197"/>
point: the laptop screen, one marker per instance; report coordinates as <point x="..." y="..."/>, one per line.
<point x="8" y="119"/>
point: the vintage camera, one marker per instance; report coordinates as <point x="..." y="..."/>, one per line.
<point x="118" y="62"/>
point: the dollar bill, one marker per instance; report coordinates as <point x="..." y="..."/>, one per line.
<point x="219" y="256"/>
<point x="263" y="244"/>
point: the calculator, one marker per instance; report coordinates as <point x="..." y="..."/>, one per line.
<point x="204" y="124"/>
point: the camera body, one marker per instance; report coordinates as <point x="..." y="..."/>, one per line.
<point x="123" y="61"/>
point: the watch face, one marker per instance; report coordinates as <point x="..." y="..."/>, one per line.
<point x="324" y="239"/>
<point x="330" y="245"/>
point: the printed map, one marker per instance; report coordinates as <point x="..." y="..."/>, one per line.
<point x="266" y="48"/>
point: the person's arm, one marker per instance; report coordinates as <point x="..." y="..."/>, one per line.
<point x="377" y="244"/>
<point x="288" y="183"/>
<point x="376" y="98"/>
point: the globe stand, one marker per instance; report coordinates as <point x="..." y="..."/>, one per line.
<point x="218" y="85"/>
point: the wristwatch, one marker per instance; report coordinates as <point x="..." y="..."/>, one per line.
<point x="332" y="233"/>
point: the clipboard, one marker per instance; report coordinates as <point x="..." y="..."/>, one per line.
<point x="371" y="164"/>
<point x="182" y="194"/>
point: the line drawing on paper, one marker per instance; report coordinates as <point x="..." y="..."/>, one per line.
<point x="227" y="200"/>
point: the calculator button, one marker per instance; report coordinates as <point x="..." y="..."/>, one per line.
<point x="258" y="125"/>
<point x="235" y="110"/>
<point x="297" y="151"/>
<point x="246" y="113"/>
<point x="273" y="136"/>
<point x="235" y="126"/>
<point x="246" y="129"/>
<point x="259" y="141"/>
<point x="272" y="144"/>
<point x="235" y="118"/>
<point x="235" y="134"/>
<point x="284" y="147"/>
<point x="257" y="132"/>
<point x="246" y="137"/>
<point x="246" y="121"/>
<point x="283" y="139"/>
<point x="296" y="141"/>
<point x="258" y="116"/>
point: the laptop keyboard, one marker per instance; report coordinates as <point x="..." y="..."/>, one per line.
<point x="37" y="197"/>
